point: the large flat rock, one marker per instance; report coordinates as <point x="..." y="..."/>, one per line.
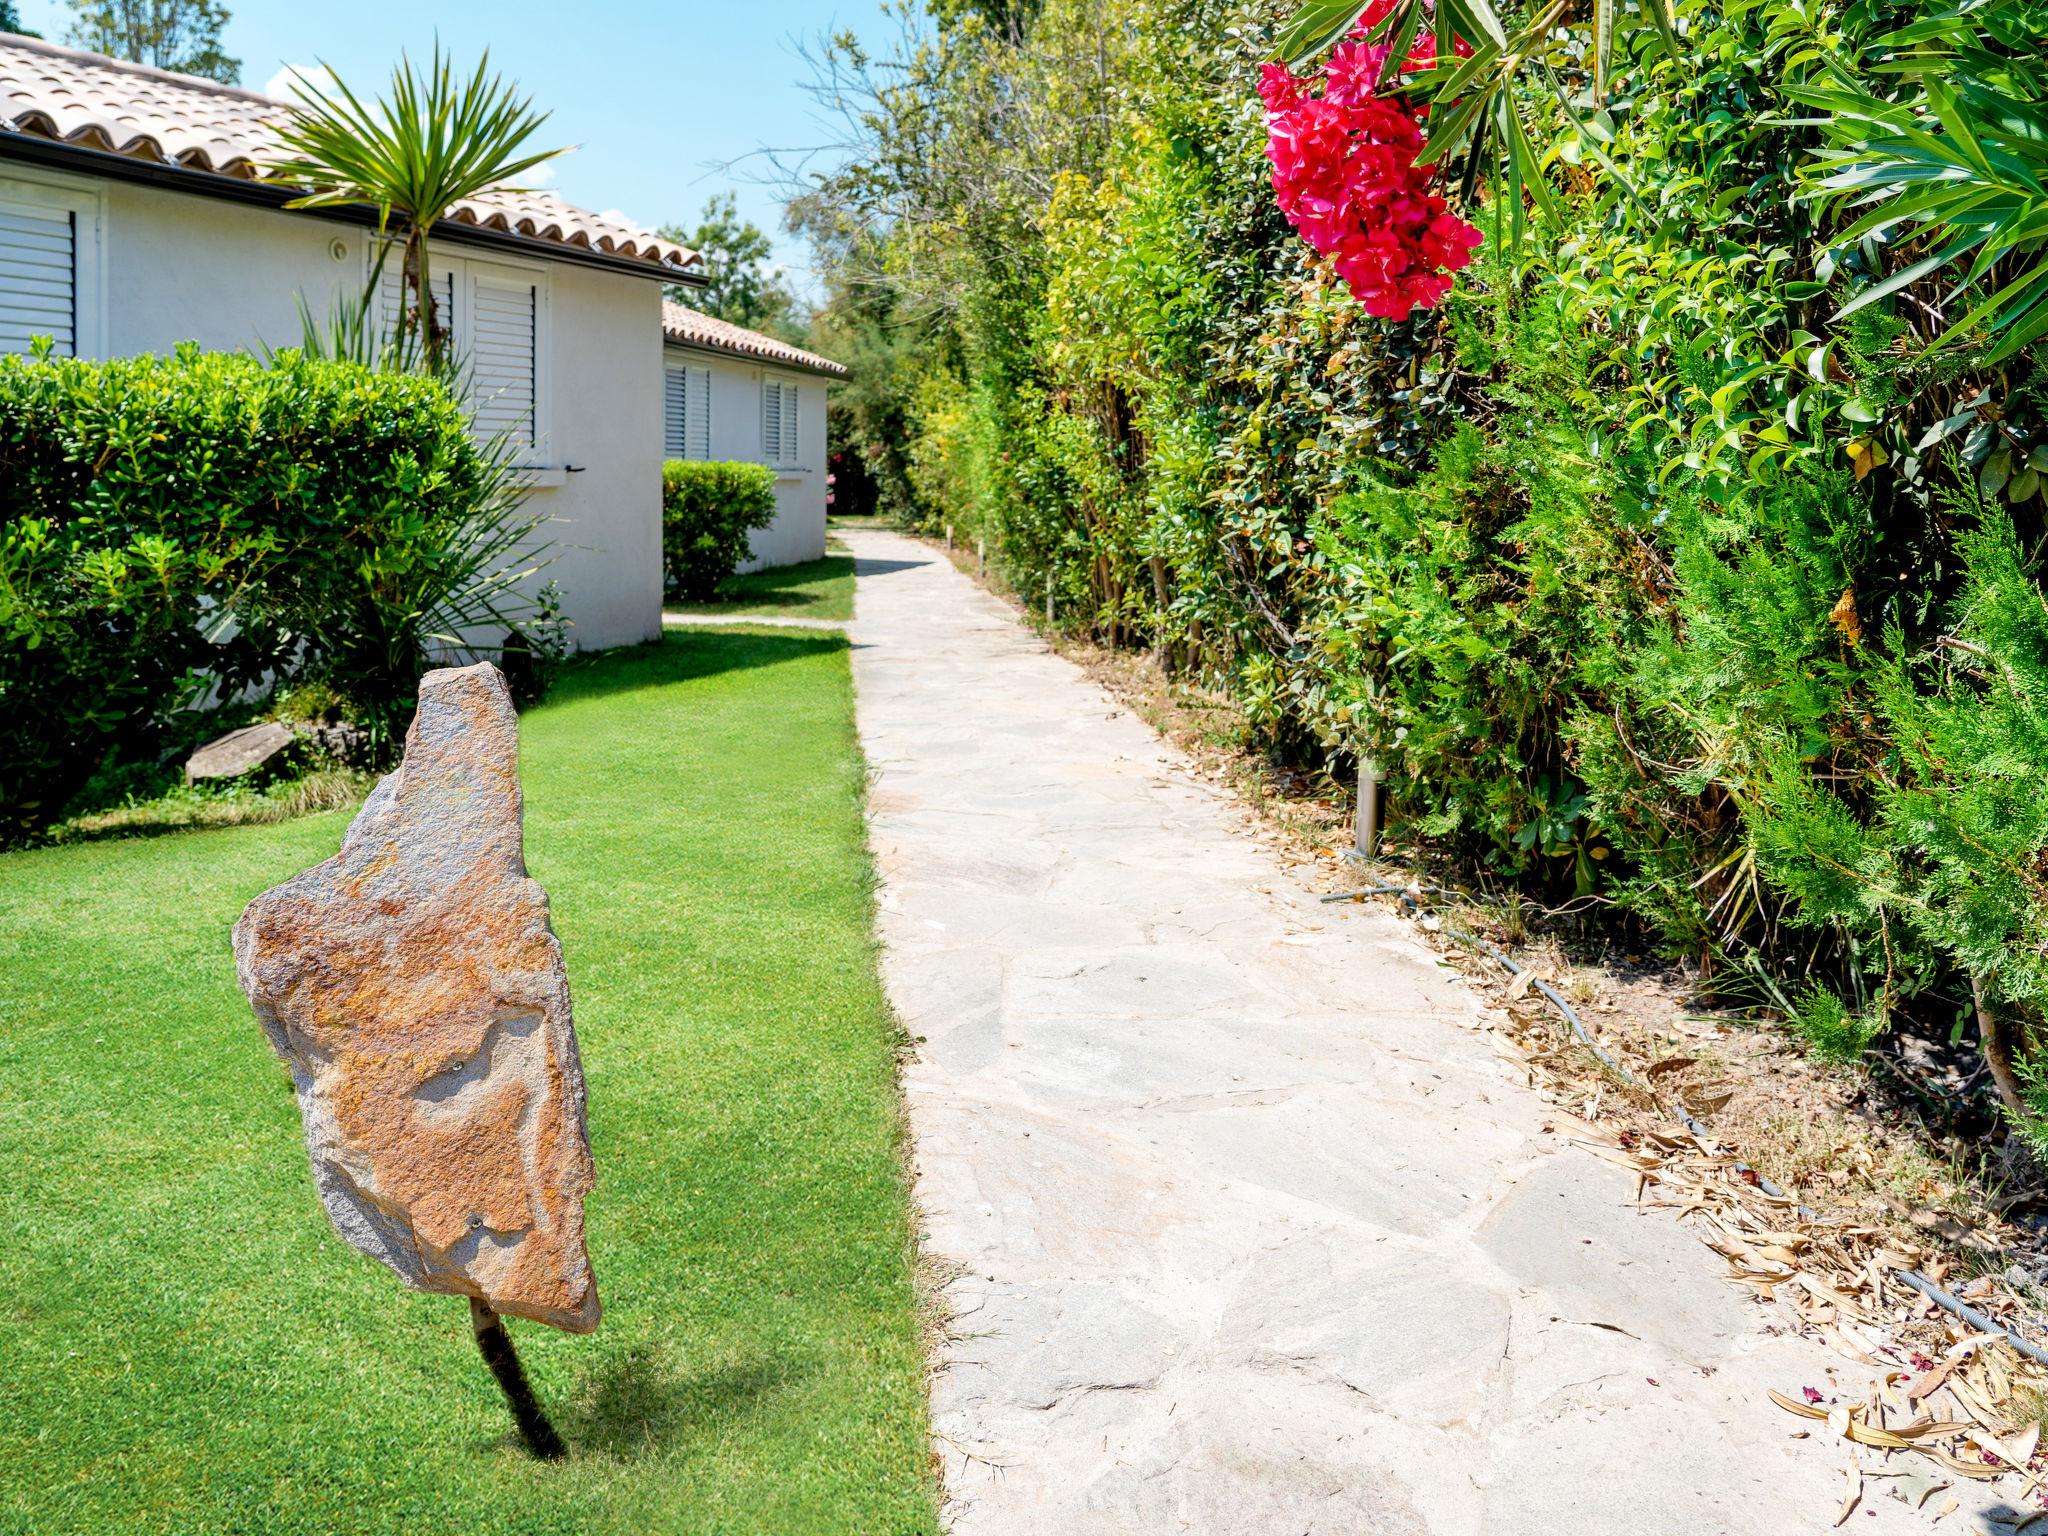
<point x="414" y="988"/>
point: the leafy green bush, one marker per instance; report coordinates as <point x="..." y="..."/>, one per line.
<point x="206" y="525"/>
<point x="1687" y="558"/>
<point x="707" y="511"/>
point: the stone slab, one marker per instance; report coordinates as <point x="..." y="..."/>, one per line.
<point x="1252" y="1230"/>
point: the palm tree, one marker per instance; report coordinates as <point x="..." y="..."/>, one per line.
<point x="435" y="141"/>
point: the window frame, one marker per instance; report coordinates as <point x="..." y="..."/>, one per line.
<point x="789" y="417"/>
<point x="694" y="374"/>
<point x="86" y="202"/>
<point x="463" y="270"/>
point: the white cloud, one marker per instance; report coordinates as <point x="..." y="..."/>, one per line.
<point x="285" y="84"/>
<point x="535" y="175"/>
<point x="619" y="217"/>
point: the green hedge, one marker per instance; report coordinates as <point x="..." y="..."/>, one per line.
<point x="175" y="524"/>
<point x="1682" y="561"/>
<point x="707" y="511"/>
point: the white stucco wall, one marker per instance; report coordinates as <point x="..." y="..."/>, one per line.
<point x="607" y="431"/>
<point x="798" y="532"/>
<point x="176" y="266"/>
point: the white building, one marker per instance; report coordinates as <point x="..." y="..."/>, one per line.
<point x="730" y="393"/>
<point x="131" y="219"/>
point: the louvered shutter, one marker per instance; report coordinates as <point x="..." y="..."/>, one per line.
<point x="503" y="350"/>
<point x="771" y="421"/>
<point x="778" y="422"/>
<point x="392" y="294"/>
<point x="686" y="413"/>
<point x="38" y="275"/>
<point x="675" y="412"/>
<point x="697" y="440"/>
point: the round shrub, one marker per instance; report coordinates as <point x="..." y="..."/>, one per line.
<point x="707" y="511"/>
<point x="202" y="525"/>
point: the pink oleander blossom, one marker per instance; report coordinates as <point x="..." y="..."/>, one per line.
<point x="1344" y="173"/>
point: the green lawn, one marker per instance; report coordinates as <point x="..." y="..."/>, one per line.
<point x="816" y="589"/>
<point x="185" y="1346"/>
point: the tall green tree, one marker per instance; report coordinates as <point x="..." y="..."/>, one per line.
<point x="183" y="35"/>
<point x="10" y="20"/>
<point x="743" y="287"/>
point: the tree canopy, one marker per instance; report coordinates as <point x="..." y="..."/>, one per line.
<point x="744" y="287"/>
<point x="182" y="35"/>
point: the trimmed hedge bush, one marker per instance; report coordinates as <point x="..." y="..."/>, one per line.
<point x="178" y="523"/>
<point x="707" y="511"/>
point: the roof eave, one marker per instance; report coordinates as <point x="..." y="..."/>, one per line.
<point x="835" y="371"/>
<point x="37" y="149"/>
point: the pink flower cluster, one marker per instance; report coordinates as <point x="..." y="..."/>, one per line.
<point x="1344" y="173"/>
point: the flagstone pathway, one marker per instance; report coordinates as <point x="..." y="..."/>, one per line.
<point x="1249" y="1228"/>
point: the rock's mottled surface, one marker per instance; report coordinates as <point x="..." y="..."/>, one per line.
<point x="414" y="988"/>
<point x="239" y="752"/>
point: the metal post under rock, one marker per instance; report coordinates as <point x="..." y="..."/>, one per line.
<point x="416" y="992"/>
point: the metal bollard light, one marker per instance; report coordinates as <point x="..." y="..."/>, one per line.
<point x="1366" y="832"/>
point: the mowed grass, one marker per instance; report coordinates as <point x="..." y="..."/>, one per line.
<point x="816" y="589"/>
<point x="185" y="1345"/>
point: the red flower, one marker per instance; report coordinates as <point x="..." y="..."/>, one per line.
<point x="1344" y="173"/>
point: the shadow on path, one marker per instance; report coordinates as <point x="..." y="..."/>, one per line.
<point x="866" y="567"/>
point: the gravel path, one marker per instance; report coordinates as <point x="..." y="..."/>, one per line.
<point x="1251" y="1230"/>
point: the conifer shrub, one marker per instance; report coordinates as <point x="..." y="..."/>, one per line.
<point x="1681" y="562"/>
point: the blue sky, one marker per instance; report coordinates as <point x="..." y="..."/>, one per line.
<point x="658" y="97"/>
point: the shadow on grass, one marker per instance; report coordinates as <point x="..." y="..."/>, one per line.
<point x="678" y="657"/>
<point x="687" y="655"/>
<point x="795" y="587"/>
<point x="644" y="1400"/>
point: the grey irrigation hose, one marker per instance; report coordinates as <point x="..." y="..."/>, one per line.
<point x="1948" y="1301"/>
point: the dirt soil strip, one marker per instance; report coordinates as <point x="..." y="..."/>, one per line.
<point x="1253" y="1224"/>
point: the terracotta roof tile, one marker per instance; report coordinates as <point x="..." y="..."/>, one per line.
<point x="94" y="102"/>
<point x="694" y="328"/>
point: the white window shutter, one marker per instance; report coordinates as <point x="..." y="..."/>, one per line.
<point x="384" y="323"/>
<point x="771" y="421"/>
<point x="675" y="412"/>
<point x="504" y="343"/>
<point x="38" y="276"/>
<point x="697" y="440"/>
<point x="686" y="413"/>
<point x="393" y="298"/>
<point x="778" y="422"/>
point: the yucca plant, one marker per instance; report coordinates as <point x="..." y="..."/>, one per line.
<point x="437" y="140"/>
<point x="1954" y="155"/>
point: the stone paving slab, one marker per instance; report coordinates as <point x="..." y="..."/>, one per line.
<point x="1252" y="1230"/>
